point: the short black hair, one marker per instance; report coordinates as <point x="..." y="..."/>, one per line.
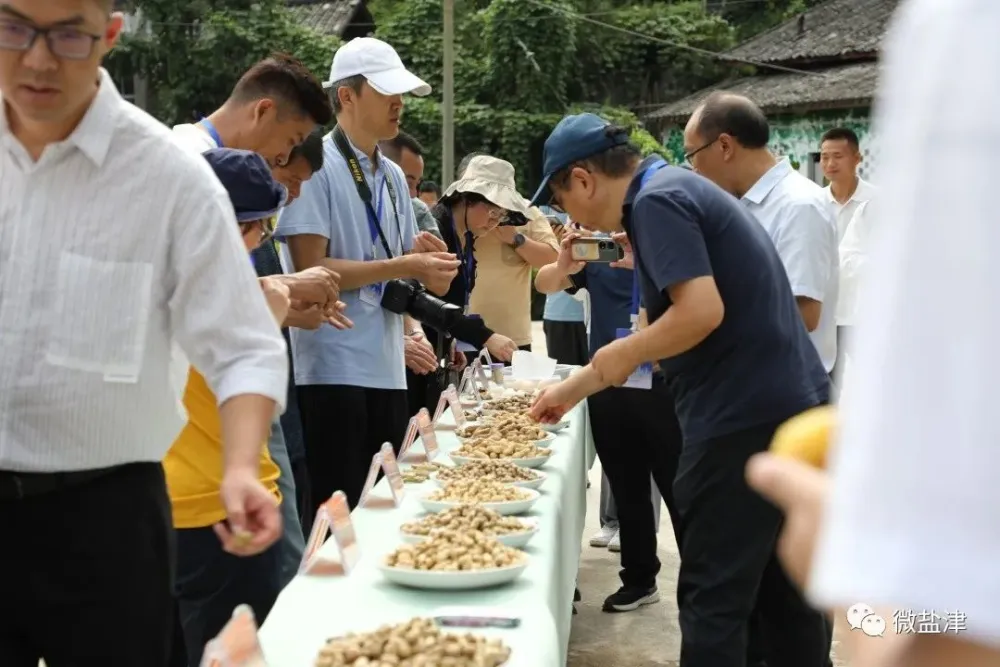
<point x="393" y="148"/>
<point x="311" y="150"/>
<point x="283" y="77"/>
<point x="841" y="133"/>
<point x="355" y="83"/>
<point x="464" y="164"/>
<point x="615" y="162"/>
<point x="429" y="186"/>
<point x="738" y="116"/>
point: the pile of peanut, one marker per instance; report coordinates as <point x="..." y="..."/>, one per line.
<point x="516" y="403"/>
<point x="494" y="448"/>
<point x="504" y="472"/>
<point x="466" y="518"/>
<point x="420" y="472"/>
<point x="449" y="551"/>
<point x="504" y="427"/>
<point x="417" y="643"/>
<point x="478" y="491"/>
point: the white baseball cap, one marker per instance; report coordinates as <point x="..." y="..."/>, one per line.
<point x="379" y="64"/>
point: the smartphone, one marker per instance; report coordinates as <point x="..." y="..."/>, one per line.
<point x="596" y="250"/>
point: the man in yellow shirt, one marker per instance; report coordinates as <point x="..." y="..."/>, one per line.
<point x="211" y="582"/>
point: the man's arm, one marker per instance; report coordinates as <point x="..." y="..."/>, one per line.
<point x="552" y="279"/>
<point x="696" y="312"/>
<point x="807" y="245"/>
<point x="309" y="250"/>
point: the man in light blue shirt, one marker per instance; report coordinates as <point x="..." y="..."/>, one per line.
<point x="352" y="384"/>
<point x="563" y="319"/>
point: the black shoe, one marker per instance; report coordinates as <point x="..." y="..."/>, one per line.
<point x="630" y="599"/>
<point x="574" y="610"/>
<point x="576" y="595"/>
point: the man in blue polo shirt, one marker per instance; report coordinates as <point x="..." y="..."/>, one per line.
<point x="728" y="336"/>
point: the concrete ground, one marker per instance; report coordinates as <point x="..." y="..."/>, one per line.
<point x="647" y="637"/>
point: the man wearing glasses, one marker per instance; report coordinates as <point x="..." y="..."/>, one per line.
<point x="108" y="259"/>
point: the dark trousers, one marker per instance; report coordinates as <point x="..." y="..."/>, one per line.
<point x="211" y="583"/>
<point x="87" y="572"/>
<point x="344" y="428"/>
<point x="303" y="494"/>
<point x="566" y="342"/>
<point x="636" y="436"/>
<point x="729" y="566"/>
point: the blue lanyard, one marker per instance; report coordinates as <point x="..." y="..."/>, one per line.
<point x="646" y="175"/>
<point x="212" y="132"/>
<point x="467" y="256"/>
<point x="375" y="219"/>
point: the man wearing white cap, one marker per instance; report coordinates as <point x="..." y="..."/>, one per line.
<point x="354" y="216"/>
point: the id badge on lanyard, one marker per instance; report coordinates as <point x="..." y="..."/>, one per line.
<point x="372" y="294"/>
<point x="642" y="377"/>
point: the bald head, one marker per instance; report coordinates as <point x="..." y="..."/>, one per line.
<point x="735" y="115"/>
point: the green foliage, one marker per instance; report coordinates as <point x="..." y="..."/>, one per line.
<point x="195" y="51"/>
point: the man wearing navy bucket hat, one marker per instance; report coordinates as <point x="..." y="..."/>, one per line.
<point x="725" y="329"/>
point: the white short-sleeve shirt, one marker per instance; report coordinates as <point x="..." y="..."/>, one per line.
<point x="792" y="210"/>
<point x="913" y="518"/>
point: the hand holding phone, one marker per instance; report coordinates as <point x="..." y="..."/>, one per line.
<point x="596" y="250"/>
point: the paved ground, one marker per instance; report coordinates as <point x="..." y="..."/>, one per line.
<point x="648" y="637"/>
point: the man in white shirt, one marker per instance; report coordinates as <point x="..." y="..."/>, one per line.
<point x="839" y="157"/>
<point x="854" y="251"/>
<point x="726" y="140"/>
<point x="108" y="257"/>
<point x="918" y="417"/>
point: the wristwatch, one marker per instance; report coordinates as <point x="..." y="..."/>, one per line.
<point x="518" y="240"/>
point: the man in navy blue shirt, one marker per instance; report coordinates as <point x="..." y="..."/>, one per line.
<point x="635" y="431"/>
<point x="728" y="336"/>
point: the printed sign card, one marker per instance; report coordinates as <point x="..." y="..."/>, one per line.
<point x="411" y="435"/>
<point x="439" y="410"/>
<point x="334" y="516"/>
<point x="237" y="645"/>
<point x="642" y="377"/>
<point x="484" y="380"/>
<point x="390" y="466"/>
<point x="457" y="412"/>
<point x="370" y="480"/>
<point x="485" y="359"/>
<point x="427" y="435"/>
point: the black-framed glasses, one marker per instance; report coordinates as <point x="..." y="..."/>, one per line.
<point x="63" y="42"/>
<point x="688" y="156"/>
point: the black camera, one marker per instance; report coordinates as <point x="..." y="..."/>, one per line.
<point x="410" y="297"/>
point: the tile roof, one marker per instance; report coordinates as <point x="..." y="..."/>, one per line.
<point x="330" y="17"/>
<point x="842" y="86"/>
<point x="834" y="30"/>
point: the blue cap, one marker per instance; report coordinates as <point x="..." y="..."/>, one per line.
<point x="247" y="178"/>
<point x="575" y="138"/>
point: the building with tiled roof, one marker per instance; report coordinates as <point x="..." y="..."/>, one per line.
<point x="346" y="19"/>
<point x="813" y="72"/>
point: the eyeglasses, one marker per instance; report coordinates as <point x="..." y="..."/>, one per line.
<point x="68" y="43"/>
<point x="688" y="156"/>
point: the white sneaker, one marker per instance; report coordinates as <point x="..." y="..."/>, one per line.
<point x="616" y="543"/>
<point x="604" y="536"/>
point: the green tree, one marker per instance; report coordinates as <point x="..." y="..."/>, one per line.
<point x="191" y="52"/>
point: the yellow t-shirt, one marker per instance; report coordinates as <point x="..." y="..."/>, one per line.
<point x="502" y="296"/>
<point x="193" y="466"/>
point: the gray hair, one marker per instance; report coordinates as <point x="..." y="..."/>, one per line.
<point x="353" y="82"/>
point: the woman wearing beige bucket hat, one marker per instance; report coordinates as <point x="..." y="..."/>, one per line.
<point x="473" y="206"/>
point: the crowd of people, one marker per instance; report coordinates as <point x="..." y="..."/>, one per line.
<point x="175" y="415"/>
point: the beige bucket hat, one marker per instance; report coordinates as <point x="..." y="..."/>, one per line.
<point x="493" y="179"/>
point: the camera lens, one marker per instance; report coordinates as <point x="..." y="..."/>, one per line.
<point x="602" y="245"/>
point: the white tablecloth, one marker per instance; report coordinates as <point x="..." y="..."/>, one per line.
<point x="313" y="608"/>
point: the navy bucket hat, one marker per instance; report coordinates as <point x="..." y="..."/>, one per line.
<point x="247" y="178"/>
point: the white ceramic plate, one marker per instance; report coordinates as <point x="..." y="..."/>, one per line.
<point x="453" y="581"/>
<point x="554" y="428"/>
<point x="525" y="484"/>
<point x="507" y="508"/>
<point x="536" y="462"/>
<point x="543" y="442"/>
<point x="513" y="540"/>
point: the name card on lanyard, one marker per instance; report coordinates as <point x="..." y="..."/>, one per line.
<point x="642" y="377"/>
<point x="372" y="294"/>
